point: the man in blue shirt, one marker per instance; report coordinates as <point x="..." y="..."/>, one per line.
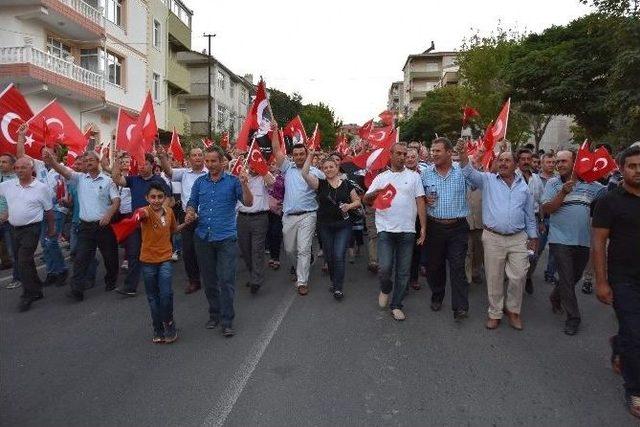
<point x="139" y="185"/>
<point x="568" y="201"/>
<point x="448" y="230"/>
<point x="213" y="202"/>
<point x="510" y="230"/>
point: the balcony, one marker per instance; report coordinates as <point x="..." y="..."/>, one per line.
<point x="178" y="76"/>
<point x="199" y="128"/>
<point x="179" y="33"/>
<point x="179" y="120"/>
<point x="199" y="91"/>
<point x="426" y="75"/>
<point x="418" y="94"/>
<point x="29" y="65"/>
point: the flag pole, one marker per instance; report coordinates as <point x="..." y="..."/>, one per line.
<point x="506" y="122"/>
<point x="253" y="141"/>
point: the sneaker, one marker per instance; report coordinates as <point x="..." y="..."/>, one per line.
<point x="212" y="324"/>
<point x="587" y="287"/>
<point x="228" y="331"/>
<point x="158" y="337"/>
<point x="124" y="265"/>
<point x="460" y="314"/>
<point x="170" y="332"/>
<point x="126" y="292"/>
<point x="338" y="295"/>
<point x="633" y="403"/>
<point x="398" y="314"/>
<point x="14" y="284"/>
<point x="175" y="256"/>
<point x="383" y="299"/>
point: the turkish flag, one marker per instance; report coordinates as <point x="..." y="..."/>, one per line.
<point x="14" y="111"/>
<point x="379" y="137"/>
<point x="385" y="197"/>
<point x="282" y="141"/>
<point x="257" y="123"/>
<point x="237" y="167"/>
<point x="314" y="141"/>
<point x="487" y="160"/>
<point x="52" y="125"/>
<point x="294" y="133"/>
<point x="372" y="160"/>
<point x="499" y="129"/>
<point x="489" y="143"/>
<point x="124" y="129"/>
<point x="342" y="145"/>
<point x="387" y="117"/>
<point x="207" y="142"/>
<point x="146" y="128"/>
<point x="123" y="228"/>
<point x="176" y="148"/>
<point x="365" y="129"/>
<point x="468" y="113"/>
<point x="224" y="140"/>
<point x="472" y="147"/>
<point x="590" y="167"/>
<point x="257" y="162"/>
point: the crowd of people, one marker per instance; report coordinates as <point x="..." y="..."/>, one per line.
<point x="432" y="212"/>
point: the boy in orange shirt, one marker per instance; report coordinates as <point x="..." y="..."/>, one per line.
<point x="158" y="224"/>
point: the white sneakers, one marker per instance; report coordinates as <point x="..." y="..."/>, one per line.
<point x="383" y="300"/>
<point x="398" y="314"/>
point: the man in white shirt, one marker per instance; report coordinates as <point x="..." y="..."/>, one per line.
<point x="186" y="177"/>
<point x="29" y="202"/>
<point x="253" y="223"/>
<point x="396" y="227"/>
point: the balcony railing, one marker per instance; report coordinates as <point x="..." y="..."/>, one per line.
<point x="86" y="10"/>
<point x="38" y="58"/>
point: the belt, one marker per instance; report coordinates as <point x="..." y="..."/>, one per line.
<point x="299" y="213"/>
<point x="20" y="227"/>
<point x="501" y="234"/>
<point x="252" y="213"/>
<point x="445" y="221"/>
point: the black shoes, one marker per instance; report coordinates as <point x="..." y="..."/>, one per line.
<point x="26" y="300"/>
<point x="170" y="332"/>
<point x="460" y="314"/>
<point x="254" y="288"/>
<point x="338" y="295"/>
<point x="528" y="287"/>
<point x="75" y="295"/>
<point x="228" y="331"/>
<point x="212" y="324"/>
<point x="436" y="305"/>
<point x="126" y="292"/>
<point x="587" y="287"/>
<point x="571" y="327"/>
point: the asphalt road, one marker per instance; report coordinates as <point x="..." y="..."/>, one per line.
<point x="303" y="361"/>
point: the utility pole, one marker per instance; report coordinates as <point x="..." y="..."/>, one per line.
<point x="209" y="37"/>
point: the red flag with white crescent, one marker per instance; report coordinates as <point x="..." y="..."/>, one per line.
<point x="176" y="148"/>
<point x="314" y="141"/>
<point x="237" y="166"/>
<point x="591" y="166"/>
<point x="294" y="130"/>
<point x="257" y="162"/>
<point x="207" y="142"/>
<point x="365" y="129"/>
<point x="124" y="132"/>
<point x="385" y="197"/>
<point x="14" y="111"/>
<point x="146" y="127"/>
<point x="258" y="121"/>
<point x="224" y="140"/>
<point x="387" y="117"/>
<point x="499" y="129"/>
<point x="53" y="125"/>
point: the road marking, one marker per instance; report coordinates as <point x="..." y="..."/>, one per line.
<point x="9" y="278"/>
<point x="218" y="415"/>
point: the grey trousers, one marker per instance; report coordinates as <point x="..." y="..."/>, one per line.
<point x="252" y="233"/>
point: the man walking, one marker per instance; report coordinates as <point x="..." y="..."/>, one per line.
<point x="29" y="203"/>
<point x="7" y="173"/>
<point x="300" y="211"/>
<point x="548" y="171"/>
<point x="213" y="202"/>
<point x="569" y="202"/>
<point x="98" y="200"/>
<point x="446" y="189"/>
<point x="617" y="219"/>
<point x="396" y="227"/>
<point x="509" y="231"/>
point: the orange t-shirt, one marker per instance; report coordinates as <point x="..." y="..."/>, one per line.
<point x="156" y="236"/>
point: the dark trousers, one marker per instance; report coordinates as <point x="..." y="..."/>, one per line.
<point x="189" y="254"/>
<point x="217" y="261"/>
<point x="415" y="259"/>
<point x="25" y="241"/>
<point x="274" y="236"/>
<point x="570" y="262"/>
<point x="394" y="250"/>
<point x="157" y="286"/>
<point x="447" y="244"/>
<point x="91" y="236"/>
<point x="626" y="303"/>
<point x="335" y="241"/>
<point x="132" y="250"/>
<point x="252" y="232"/>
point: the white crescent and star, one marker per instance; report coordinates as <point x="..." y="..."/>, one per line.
<point x="600" y="164"/>
<point x="6" y="121"/>
<point x="497" y="129"/>
<point x="129" y="130"/>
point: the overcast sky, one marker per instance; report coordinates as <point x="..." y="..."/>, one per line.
<point x="347" y="53"/>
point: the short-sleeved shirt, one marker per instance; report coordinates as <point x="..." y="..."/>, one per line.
<point x="619" y="211"/>
<point x="156" y="236"/>
<point x="26" y="204"/>
<point x="3" y="178"/>
<point x="571" y="224"/>
<point x="400" y="217"/>
<point x="215" y="203"/>
<point x="260" y="194"/>
<point x="298" y="196"/>
<point x="125" y="200"/>
<point x="94" y="195"/>
<point x="186" y="178"/>
<point x="451" y="189"/>
<point x="329" y="200"/>
<point x="139" y="187"/>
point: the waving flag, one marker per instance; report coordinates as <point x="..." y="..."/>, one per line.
<point x="52" y="125"/>
<point x="314" y="141"/>
<point x="224" y="140"/>
<point x="342" y="145"/>
<point x="126" y="123"/>
<point x="365" y="129"/>
<point x="468" y="113"/>
<point x="123" y="228"/>
<point x="237" y="167"/>
<point x="385" y="197"/>
<point x="176" y="148"/>
<point x="294" y="133"/>
<point x="207" y="142"/>
<point x="591" y="166"/>
<point x="146" y="125"/>
<point x="14" y="111"/>
<point x="257" y="162"/>
<point x="387" y="117"/>
<point x="499" y="129"/>
<point x="258" y="119"/>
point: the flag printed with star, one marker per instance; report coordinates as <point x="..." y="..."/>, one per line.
<point x="258" y="121"/>
<point x="257" y="162"/>
<point x="14" y="111"/>
<point x="237" y="167"/>
<point x="53" y="125"/>
<point x="124" y="129"/>
<point x="385" y="197"/>
<point x="342" y="145"/>
<point x="468" y="113"/>
<point x="499" y="128"/>
<point x="224" y="140"/>
<point x="365" y="129"/>
<point x="592" y="166"/>
<point x="176" y="148"/>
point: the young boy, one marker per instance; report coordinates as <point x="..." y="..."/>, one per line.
<point x="158" y="224"/>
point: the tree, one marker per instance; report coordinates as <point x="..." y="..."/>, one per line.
<point x="284" y="107"/>
<point x="325" y="117"/>
<point x="615" y="7"/>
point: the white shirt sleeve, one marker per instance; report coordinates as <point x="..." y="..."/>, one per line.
<point x="375" y="185"/>
<point x="417" y="186"/>
<point x="45" y="198"/>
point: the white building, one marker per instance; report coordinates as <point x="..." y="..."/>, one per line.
<point x="423" y="73"/>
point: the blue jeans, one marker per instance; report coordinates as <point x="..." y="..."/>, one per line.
<point x="335" y="239"/>
<point x="157" y="285"/>
<point x="5" y="229"/>
<point x="53" y="258"/>
<point x="132" y="249"/>
<point x="217" y="262"/>
<point x="177" y="243"/>
<point x="626" y="303"/>
<point x="395" y="248"/>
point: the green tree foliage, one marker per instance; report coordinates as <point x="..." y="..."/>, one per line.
<point x="284" y="107"/>
<point x="615" y="7"/>
<point x="327" y="123"/>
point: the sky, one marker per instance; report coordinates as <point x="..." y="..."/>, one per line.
<point x="347" y="53"/>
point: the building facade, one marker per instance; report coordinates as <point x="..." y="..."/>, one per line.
<point x="395" y="99"/>
<point x="230" y="95"/>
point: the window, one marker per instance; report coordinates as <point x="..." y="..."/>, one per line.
<point x="157" y="41"/>
<point x="156" y="87"/>
<point x="221" y="117"/>
<point x="92" y="60"/>
<point x="243" y="95"/>
<point x="114" y="69"/>
<point x="57" y="48"/>
<point x="181" y="12"/>
<point x="431" y="66"/>
<point x="232" y="89"/>
<point x="220" y="80"/>
<point x="113" y="11"/>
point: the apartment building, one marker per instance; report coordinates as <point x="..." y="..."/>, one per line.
<point x="230" y="95"/>
<point x="423" y="73"/>
<point x="395" y="101"/>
